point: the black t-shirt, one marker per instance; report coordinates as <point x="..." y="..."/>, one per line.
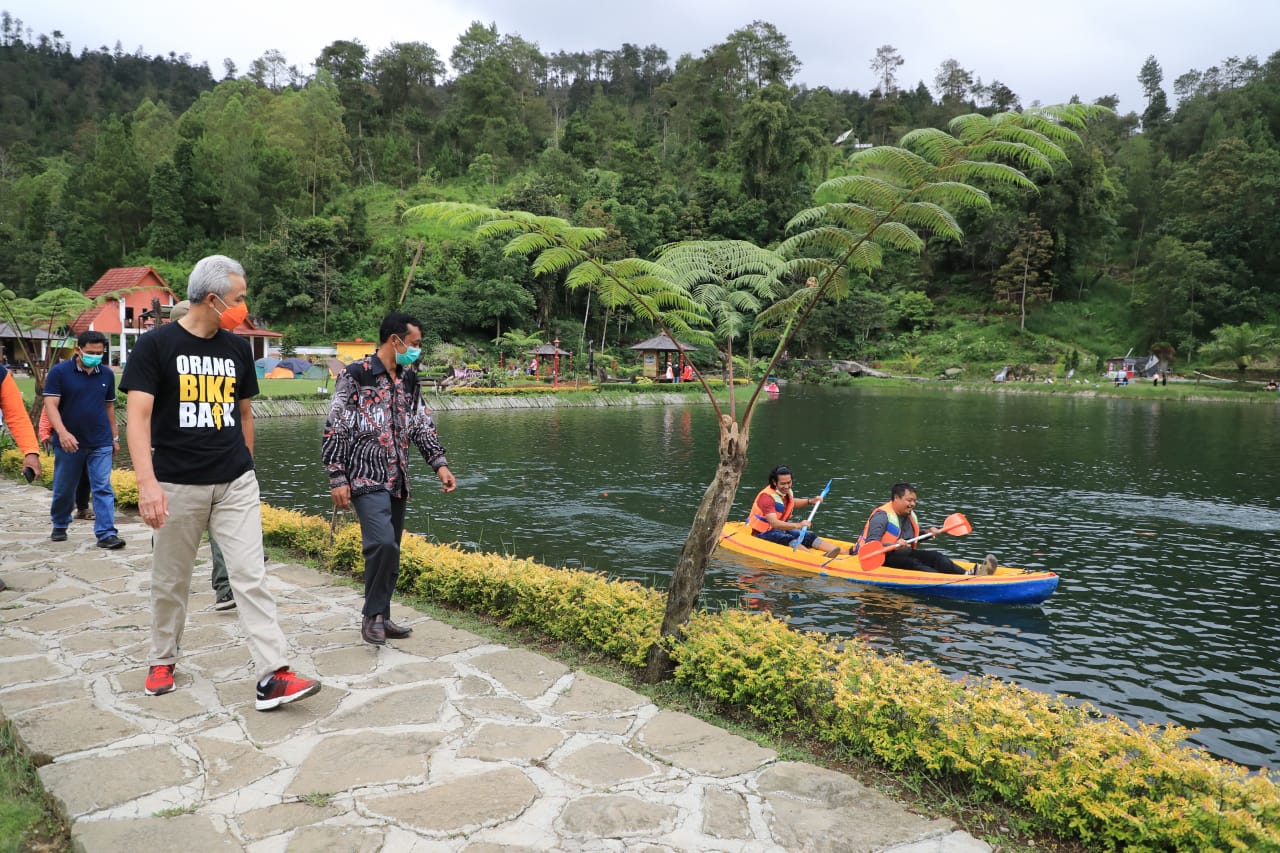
<point x="196" y="437"/>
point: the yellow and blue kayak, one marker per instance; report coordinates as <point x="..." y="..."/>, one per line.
<point x="1006" y="586"/>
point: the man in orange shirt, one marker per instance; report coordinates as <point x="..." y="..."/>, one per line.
<point x="13" y="413"/>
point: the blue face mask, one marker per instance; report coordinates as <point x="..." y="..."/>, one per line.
<point x="90" y="361"/>
<point x="409" y="356"/>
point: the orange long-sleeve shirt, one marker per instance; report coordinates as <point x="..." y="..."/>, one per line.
<point x="15" y="415"/>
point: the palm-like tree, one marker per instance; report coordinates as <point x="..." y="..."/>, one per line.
<point x="733" y="280"/>
<point x="513" y="342"/>
<point x="1241" y="344"/>
<point x="51" y="312"/>
<point x="893" y="195"/>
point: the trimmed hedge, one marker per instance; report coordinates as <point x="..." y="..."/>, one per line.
<point x="1083" y="774"/>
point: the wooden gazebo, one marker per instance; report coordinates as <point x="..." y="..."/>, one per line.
<point x="656" y="351"/>
<point x="542" y="352"/>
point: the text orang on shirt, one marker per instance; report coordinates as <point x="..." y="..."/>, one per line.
<point x="206" y="391"/>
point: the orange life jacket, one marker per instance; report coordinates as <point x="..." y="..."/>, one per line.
<point x="784" y="506"/>
<point x="892" y="531"/>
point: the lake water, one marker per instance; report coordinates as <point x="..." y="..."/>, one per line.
<point x="1161" y="518"/>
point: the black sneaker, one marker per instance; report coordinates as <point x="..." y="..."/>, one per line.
<point x="59" y="534"/>
<point x="284" y="687"/>
<point x="225" y="600"/>
<point x="111" y="543"/>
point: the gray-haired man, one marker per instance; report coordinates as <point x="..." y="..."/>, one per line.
<point x="190" y="385"/>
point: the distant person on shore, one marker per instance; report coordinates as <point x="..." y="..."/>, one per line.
<point x="190" y="422"/>
<point x="770" y="517"/>
<point x="13" y="414"/>
<point x="687" y="374"/>
<point x="80" y="402"/>
<point x="895" y="522"/>
<point x="223" y="597"/>
<point x="377" y="411"/>
<point x="1271" y="386"/>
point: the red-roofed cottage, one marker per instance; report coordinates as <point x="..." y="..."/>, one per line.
<point x="129" y="292"/>
<point x="126" y="312"/>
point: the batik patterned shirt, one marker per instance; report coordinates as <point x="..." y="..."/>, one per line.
<point x="372" y="420"/>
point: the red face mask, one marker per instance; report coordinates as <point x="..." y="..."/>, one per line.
<point x="233" y="316"/>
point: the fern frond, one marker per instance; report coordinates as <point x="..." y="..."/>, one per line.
<point x="994" y="150"/>
<point x="855" y="217"/>
<point x="807" y="218"/>
<point x="900" y="237"/>
<point x="932" y="144"/>
<point x="555" y="259"/>
<point x="784" y="309"/>
<point x="583" y="275"/>
<point x="492" y="228"/>
<point x="829" y="240"/>
<point x="971" y="127"/>
<point x="1034" y="138"/>
<point x="528" y="243"/>
<point x="904" y="167"/>
<point x="954" y="193"/>
<point x="866" y="258"/>
<point x="580" y="238"/>
<point x="867" y="189"/>
<point x="453" y="213"/>
<point x="921" y="214"/>
<point x="810" y="267"/>
<point x="999" y="173"/>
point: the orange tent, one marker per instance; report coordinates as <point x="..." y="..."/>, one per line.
<point x="280" y="372"/>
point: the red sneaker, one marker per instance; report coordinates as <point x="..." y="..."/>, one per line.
<point x="284" y="687"/>
<point x="159" y="679"/>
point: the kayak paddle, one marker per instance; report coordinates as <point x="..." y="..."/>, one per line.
<point x="871" y="556"/>
<point x="795" y="543"/>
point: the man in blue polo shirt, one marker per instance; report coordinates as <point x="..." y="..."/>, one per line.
<point x="80" y="401"/>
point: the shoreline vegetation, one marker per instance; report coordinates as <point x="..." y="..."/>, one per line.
<point x="1055" y="770"/>
<point x="287" y="397"/>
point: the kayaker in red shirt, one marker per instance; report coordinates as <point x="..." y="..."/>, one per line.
<point x="770" y="517"/>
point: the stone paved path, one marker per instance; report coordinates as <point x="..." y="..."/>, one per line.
<point x="442" y="742"/>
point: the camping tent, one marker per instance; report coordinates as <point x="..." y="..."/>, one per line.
<point x="280" y="372"/>
<point x="297" y="365"/>
<point x="265" y="365"/>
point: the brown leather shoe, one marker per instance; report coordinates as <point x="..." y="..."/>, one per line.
<point x="394" y="631"/>
<point x="85" y="514"/>
<point x="372" y="630"/>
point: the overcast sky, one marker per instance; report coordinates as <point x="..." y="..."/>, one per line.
<point x="1043" y="51"/>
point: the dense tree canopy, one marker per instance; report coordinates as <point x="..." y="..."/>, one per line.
<point x="110" y="158"/>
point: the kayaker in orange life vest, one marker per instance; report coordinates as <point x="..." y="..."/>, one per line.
<point x="770" y="517"/>
<point x="896" y="521"/>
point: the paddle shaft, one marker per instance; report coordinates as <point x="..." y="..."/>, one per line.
<point x="821" y="497"/>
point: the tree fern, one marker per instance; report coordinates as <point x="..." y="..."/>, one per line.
<point x="897" y="195"/>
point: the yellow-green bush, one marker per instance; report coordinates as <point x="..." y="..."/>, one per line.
<point x="11" y="461"/>
<point x="1088" y="776"/>
<point x="123" y="481"/>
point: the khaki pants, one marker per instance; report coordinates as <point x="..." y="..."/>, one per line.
<point x="232" y="513"/>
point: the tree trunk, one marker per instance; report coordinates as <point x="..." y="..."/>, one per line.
<point x="704" y="535"/>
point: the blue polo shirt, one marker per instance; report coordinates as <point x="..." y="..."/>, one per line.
<point x="83" y="398"/>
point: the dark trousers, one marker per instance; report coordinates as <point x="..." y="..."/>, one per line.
<point x="921" y="560"/>
<point x="82" y="490"/>
<point x="381" y="526"/>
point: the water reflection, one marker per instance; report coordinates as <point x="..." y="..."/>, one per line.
<point x="1160" y="519"/>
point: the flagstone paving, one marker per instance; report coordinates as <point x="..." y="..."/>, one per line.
<point x="444" y="741"/>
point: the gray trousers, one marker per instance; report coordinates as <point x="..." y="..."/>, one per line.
<point x="232" y="513"/>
